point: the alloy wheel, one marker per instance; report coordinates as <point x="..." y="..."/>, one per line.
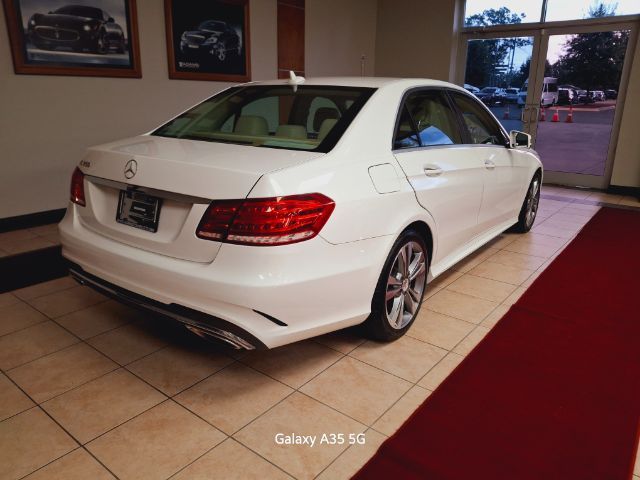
<point x="405" y="285"/>
<point x="533" y="198"/>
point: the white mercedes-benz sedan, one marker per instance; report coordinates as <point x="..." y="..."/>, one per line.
<point x="277" y="211"/>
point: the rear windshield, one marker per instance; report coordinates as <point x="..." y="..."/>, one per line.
<point x="312" y="118"/>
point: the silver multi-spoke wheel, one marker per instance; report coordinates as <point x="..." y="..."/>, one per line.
<point x="405" y="285"/>
<point x="531" y="205"/>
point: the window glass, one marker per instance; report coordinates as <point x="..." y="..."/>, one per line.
<point x="275" y="116"/>
<point x="406" y="136"/>
<point x="267" y="108"/>
<point x="500" y="12"/>
<point x="321" y="109"/>
<point x="558" y="10"/>
<point x="433" y="118"/>
<point x="481" y="126"/>
<point x="426" y="119"/>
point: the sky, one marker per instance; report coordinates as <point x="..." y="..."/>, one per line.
<point x="557" y="10"/>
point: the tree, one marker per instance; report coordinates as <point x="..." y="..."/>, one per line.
<point x="593" y="61"/>
<point x="486" y="58"/>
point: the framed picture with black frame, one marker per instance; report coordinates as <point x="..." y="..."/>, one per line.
<point x="81" y="37"/>
<point x="208" y="40"/>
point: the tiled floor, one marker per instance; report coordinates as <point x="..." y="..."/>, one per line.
<point x="28" y="239"/>
<point x="92" y="389"/>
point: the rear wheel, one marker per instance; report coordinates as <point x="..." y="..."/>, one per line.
<point x="529" y="206"/>
<point x="400" y="289"/>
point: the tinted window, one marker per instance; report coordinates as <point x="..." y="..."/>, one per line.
<point x="481" y="126"/>
<point x="80" y="11"/>
<point x="428" y="120"/>
<point x="273" y="116"/>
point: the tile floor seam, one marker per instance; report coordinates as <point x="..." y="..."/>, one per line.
<point x="393" y="374"/>
<point x="44" y="294"/>
<point x="66" y="313"/>
<point x="401" y="397"/>
<point x="24" y="328"/>
<point x="345" y="451"/>
<point x="5" y="371"/>
<point x="229" y="438"/>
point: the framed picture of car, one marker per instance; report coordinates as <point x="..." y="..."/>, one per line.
<point x="208" y="40"/>
<point x="74" y="37"/>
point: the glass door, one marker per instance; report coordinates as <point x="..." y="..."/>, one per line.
<point x="579" y="87"/>
<point x="497" y="69"/>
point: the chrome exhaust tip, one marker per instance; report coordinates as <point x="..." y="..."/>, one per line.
<point x="227" y="337"/>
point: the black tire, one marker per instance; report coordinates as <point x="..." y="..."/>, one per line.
<point x="100" y="46"/>
<point x="529" y="207"/>
<point x="378" y="325"/>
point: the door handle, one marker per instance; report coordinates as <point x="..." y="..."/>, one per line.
<point x="489" y="165"/>
<point x="432" y="171"/>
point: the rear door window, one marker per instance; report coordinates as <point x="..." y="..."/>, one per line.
<point x="426" y="119"/>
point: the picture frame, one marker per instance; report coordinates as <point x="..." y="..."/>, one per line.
<point x="79" y="38"/>
<point x="208" y="40"/>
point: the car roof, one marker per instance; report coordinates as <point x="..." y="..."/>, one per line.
<point x="367" y="82"/>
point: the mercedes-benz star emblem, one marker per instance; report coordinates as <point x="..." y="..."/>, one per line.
<point x="130" y="169"/>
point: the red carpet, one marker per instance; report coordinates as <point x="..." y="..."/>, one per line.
<point x="553" y="391"/>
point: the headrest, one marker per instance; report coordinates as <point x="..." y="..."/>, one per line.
<point x="291" y="131"/>
<point x="326" y="127"/>
<point x="322" y="114"/>
<point x="252" y="125"/>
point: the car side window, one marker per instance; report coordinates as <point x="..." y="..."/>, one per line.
<point x="406" y="136"/>
<point x="426" y="120"/>
<point x="481" y="127"/>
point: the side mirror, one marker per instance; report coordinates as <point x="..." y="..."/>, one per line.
<point x="519" y="139"/>
<point x="111" y="20"/>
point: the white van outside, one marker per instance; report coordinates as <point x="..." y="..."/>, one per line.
<point x="549" y="92"/>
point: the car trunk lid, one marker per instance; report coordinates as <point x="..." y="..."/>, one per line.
<point x="176" y="177"/>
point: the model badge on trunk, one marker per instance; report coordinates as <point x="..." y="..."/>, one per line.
<point x="130" y="169"/>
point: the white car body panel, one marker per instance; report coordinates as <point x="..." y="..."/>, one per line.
<point x="315" y="286"/>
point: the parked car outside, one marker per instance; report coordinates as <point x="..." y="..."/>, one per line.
<point x="610" y="94"/>
<point x="565" y="96"/>
<point x="76" y="27"/>
<point x="597" y="95"/>
<point x="584" y="97"/>
<point x="491" y="95"/>
<point x="511" y="95"/>
<point x="282" y="210"/>
<point x="212" y="37"/>
<point x="471" y="88"/>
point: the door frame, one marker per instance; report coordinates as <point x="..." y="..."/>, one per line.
<point x="541" y="33"/>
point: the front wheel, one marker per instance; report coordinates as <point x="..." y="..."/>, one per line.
<point x="529" y="207"/>
<point x="400" y="289"/>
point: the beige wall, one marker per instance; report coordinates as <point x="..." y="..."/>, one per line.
<point x="415" y="38"/>
<point x="338" y="33"/>
<point x="626" y="167"/>
<point x="46" y="122"/>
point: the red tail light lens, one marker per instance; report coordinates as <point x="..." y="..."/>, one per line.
<point x="77" y="187"/>
<point x="266" y="221"/>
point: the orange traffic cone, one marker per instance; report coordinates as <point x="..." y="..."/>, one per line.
<point x="543" y="115"/>
<point x="505" y="116"/>
<point x="556" y="117"/>
<point x="570" y="115"/>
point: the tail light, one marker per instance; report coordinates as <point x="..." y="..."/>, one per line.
<point x="266" y="221"/>
<point x="77" y="187"/>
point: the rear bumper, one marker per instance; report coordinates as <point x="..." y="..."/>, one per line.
<point x="198" y="322"/>
<point x="276" y="295"/>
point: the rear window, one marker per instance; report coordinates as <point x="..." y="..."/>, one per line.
<point x="312" y="118"/>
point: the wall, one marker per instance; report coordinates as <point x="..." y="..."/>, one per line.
<point x="626" y="168"/>
<point x="46" y="122"/>
<point x="338" y="33"/>
<point x="415" y="38"/>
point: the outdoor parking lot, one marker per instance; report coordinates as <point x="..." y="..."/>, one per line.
<point x="577" y="147"/>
